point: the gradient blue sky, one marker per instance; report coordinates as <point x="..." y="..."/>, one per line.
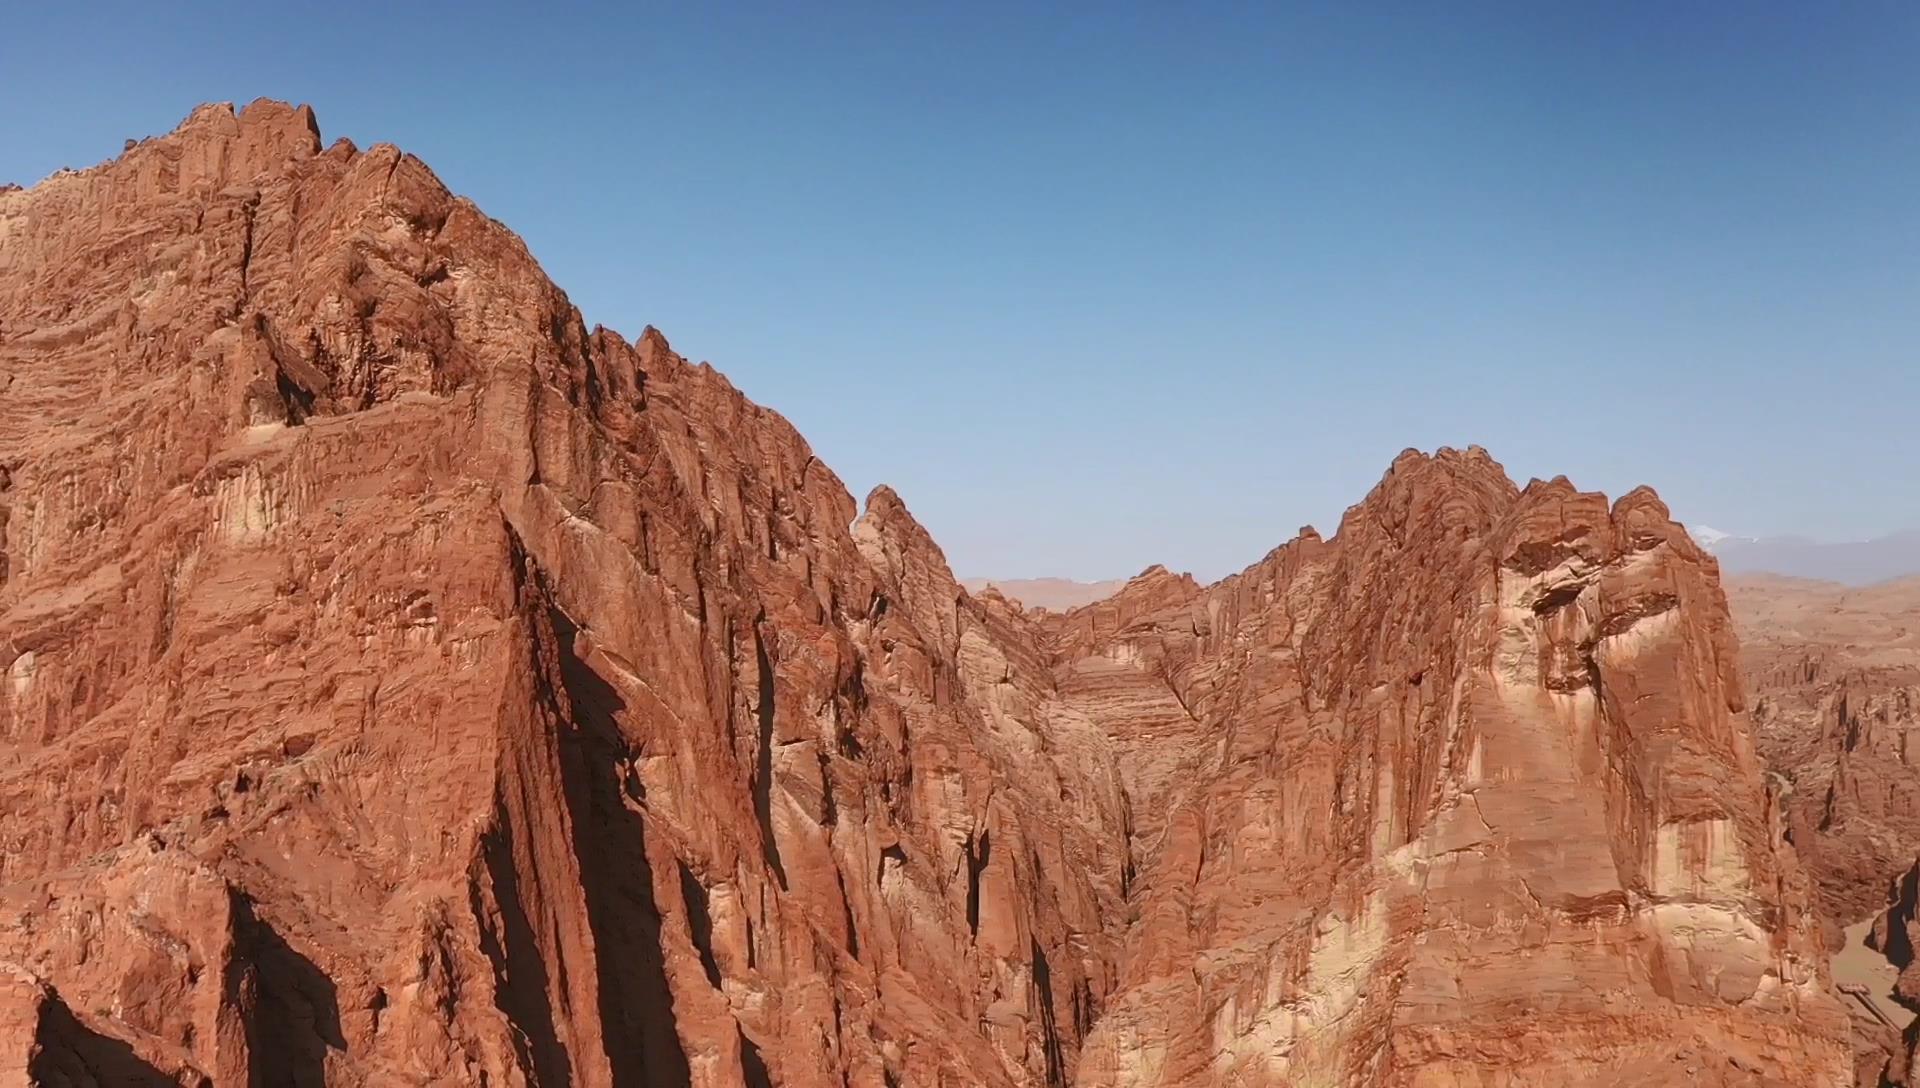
<point x="1099" y="287"/>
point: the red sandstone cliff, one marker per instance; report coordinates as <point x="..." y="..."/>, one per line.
<point x="407" y="684"/>
<point x="1469" y="799"/>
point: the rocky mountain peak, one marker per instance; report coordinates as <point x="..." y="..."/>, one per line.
<point x="405" y="683"/>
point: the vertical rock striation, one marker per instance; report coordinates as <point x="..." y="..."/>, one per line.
<point x="1835" y="676"/>
<point x="1477" y="806"/>
<point x="405" y="683"/>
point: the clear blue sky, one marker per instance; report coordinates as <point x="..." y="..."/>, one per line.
<point x="1104" y="287"/>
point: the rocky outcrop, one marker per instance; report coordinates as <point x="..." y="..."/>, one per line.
<point x="42" y="1042"/>
<point x="509" y="703"/>
<point x="405" y="683"/>
<point x="1835" y="676"/>
<point x="1478" y="784"/>
<point x="1889" y="1054"/>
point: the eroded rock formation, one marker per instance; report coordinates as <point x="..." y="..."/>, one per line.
<point x="1835" y="676"/>
<point x="405" y="683"/>
<point x="1474" y="782"/>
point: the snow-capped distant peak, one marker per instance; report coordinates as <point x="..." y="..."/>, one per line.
<point x="1708" y="536"/>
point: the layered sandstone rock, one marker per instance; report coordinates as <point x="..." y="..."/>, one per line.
<point x="1479" y="807"/>
<point x="1835" y="676"/>
<point x="406" y="684"/>
<point x="508" y="703"/>
<point x="43" y="1043"/>
<point x="1890" y="1055"/>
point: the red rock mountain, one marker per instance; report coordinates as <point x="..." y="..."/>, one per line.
<point x="406" y="684"/>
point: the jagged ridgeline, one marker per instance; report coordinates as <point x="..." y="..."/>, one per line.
<point x="407" y="684"/>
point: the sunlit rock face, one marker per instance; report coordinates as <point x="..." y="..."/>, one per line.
<point x="1834" y="676"/>
<point x="1833" y="672"/>
<point x="406" y="684"/>
<point x="1475" y="804"/>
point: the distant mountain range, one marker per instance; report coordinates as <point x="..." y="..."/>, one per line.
<point x="1057" y="594"/>
<point x="1860" y="562"/>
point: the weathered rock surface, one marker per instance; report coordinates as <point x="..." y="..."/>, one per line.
<point x="406" y="684"/>
<point x="496" y="701"/>
<point x="1893" y="1053"/>
<point x="1477" y="806"/>
<point x="1835" y="676"/>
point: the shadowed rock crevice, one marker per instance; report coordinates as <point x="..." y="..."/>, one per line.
<point x="846" y="909"/>
<point x="1049" y="1026"/>
<point x="753" y="1067"/>
<point x="1085" y="1010"/>
<point x="296" y="1015"/>
<point x="979" y="852"/>
<point x="72" y="1055"/>
<point x="522" y="988"/>
<point x="610" y="839"/>
<point x="700" y="922"/>
<point x="763" y="768"/>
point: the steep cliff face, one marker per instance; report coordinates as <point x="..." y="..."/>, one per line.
<point x="405" y="683"/>
<point x="507" y="703"/>
<point x="1835" y="676"/>
<point x="1476" y="805"/>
